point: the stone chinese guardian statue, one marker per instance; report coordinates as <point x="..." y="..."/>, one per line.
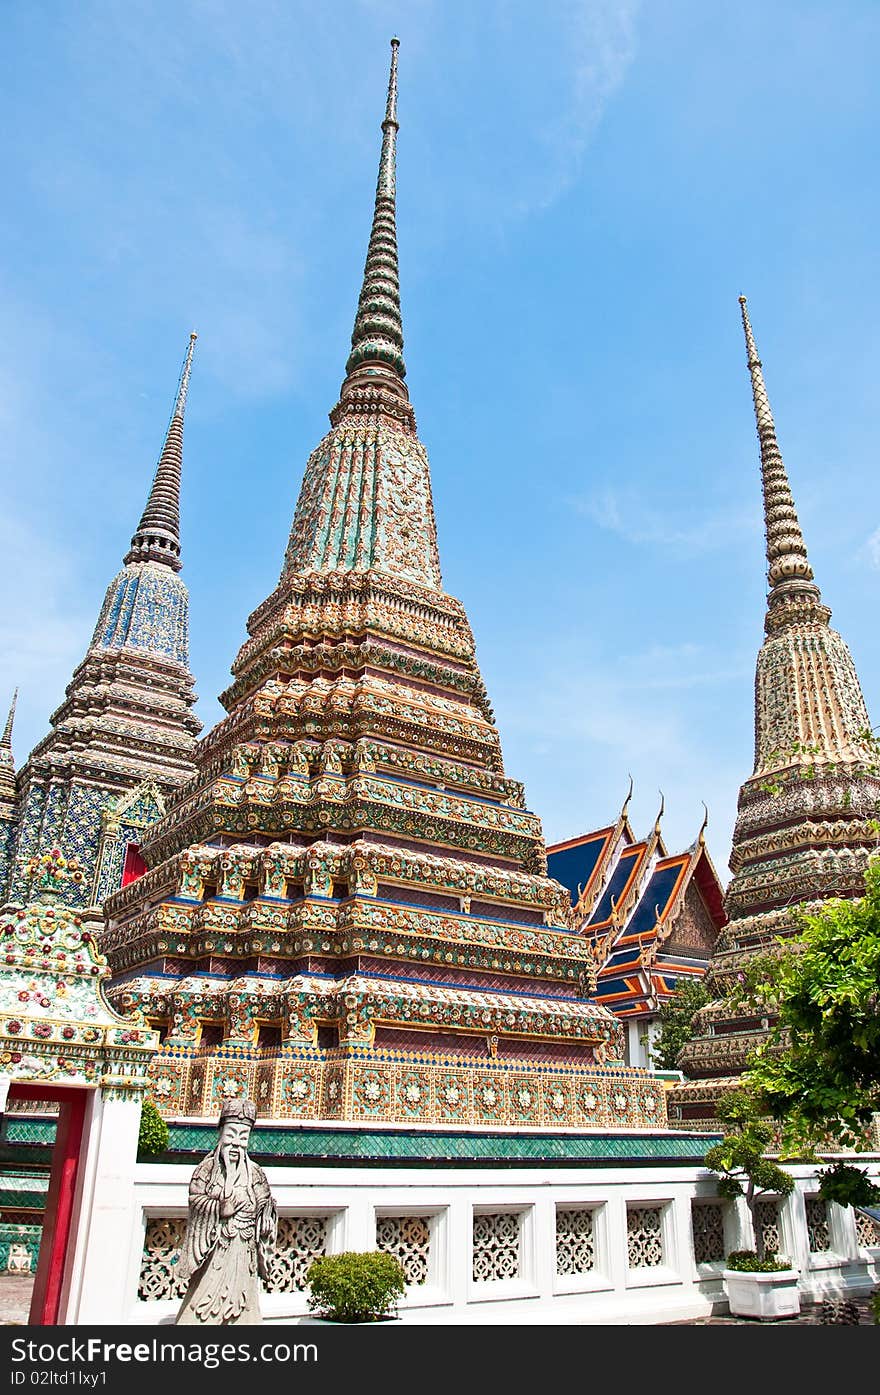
<point x="230" y="1234"/>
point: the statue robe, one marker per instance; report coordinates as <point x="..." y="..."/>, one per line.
<point x="230" y="1238"/>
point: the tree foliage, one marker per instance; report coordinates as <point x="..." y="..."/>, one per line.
<point x="848" y="1186"/>
<point x="676" y="1017"/>
<point x="819" y="1070"/>
<point x="153" y="1133"/>
<point x="739" y="1159"/>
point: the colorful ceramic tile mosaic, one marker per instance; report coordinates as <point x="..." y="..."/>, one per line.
<point x="347" y="913"/>
<point x="54" y="1023"/>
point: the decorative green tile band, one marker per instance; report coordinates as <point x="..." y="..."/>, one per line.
<point x="300" y="1146"/>
<point x="426" y="1148"/>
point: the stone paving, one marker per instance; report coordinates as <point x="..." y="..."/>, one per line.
<point x="809" y="1316"/>
<point x="15" y="1297"/>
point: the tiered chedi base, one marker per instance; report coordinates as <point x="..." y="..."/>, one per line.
<point x="348" y="914"/>
<point x="802" y="837"/>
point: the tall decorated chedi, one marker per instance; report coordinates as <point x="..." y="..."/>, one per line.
<point x="8" y="795"/>
<point x="347" y="913"/>
<point x="125" y="734"/>
<point x="804" y="825"/>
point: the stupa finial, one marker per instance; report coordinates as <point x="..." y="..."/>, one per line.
<point x="788" y="569"/>
<point x="7" y="760"/>
<point x="157" y="538"/>
<point x="6" y="738"/>
<point x="377" y="337"/>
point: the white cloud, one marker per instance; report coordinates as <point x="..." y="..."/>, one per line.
<point x="574" y="728"/>
<point x="600" y="39"/>
<point x="44" y="630"/>
<point x="629" y="515"/>
<point x="871" y="549"/>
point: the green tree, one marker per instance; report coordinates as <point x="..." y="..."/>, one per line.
<point x="819" y="1070"/>
<point x="153" y="1133"/>
<point x="676" y="1017"/>
<point x="739" y="1159"/>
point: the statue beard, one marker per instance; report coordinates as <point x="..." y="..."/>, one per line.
<point x="234" y="1169"/>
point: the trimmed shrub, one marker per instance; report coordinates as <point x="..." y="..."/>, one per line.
<point x="354" y="1287"/>
<point x="153" y="1134"/>
<point x="747" y="1262"/>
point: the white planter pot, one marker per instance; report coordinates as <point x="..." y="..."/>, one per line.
<point x="765" y="1296"/>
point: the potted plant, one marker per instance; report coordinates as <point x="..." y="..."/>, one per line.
<point x="354" y="1287"/>
<point x="757" y="1283"/>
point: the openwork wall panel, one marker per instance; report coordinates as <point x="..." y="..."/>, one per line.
<point x="818" y="1231"/>
<point x="163" y="1242"/>
<point x="496" y="1246"/>
<point x="575" y="1241"/>
<point x="300" y="1240"/>
<point x="867" y="1231"/>
<point x="644" y="1236"/>
<point x="409" y="1238"/>
<point x="767" y="1223"/>
<point x="707" y="1224"/>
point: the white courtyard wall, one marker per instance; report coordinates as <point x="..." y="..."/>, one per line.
<point x="494" y="1245"/>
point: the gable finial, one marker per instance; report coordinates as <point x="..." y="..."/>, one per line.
<point x="660" y="813"/>
<point x="157" y="538"/>
<point x="629" y="795"/>
<point x="701" y="836"/>
<point x="788" y="568"/>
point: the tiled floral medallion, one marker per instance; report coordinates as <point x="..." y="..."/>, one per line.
<point x="452" y="1093"/>
<point x="489" y="1098"/>
<point x="413" y="1094"/>
<point x="168" y="1080"/>
<point x="557" y="1101"/>
<point x="299" y="1089"/>
<point x="371" y="1093"/>
<point x="525" y="1101"/>
<point x="228" y="1080"/>
<point x="590" y="1102"/>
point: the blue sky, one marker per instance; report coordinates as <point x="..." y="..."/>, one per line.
<point x="584" y="189"/>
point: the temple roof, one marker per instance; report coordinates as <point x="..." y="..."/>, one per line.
<point x="652" y="917"/>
